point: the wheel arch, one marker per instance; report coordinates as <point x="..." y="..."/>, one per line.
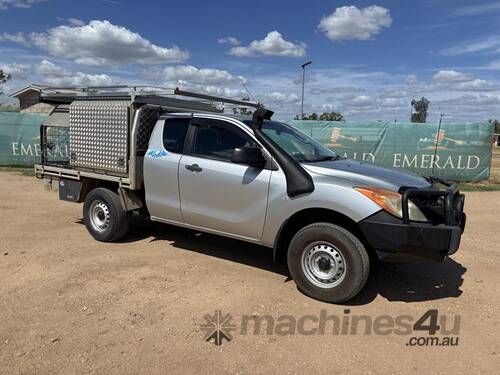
<point x="89" y="184"/>
<point x="129" y="199"/>
<point x="307" y="216"/>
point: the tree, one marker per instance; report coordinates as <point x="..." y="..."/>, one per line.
<point x="4" y="77"/>
<point x="312" y="116"/>
<point x="325" y="116"/>
<point x="421" y="106"/>
<point x="496" y="125"/>
<point x="9" y="108"/>
<point x="331" y="116"/>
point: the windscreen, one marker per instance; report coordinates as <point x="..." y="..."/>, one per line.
<point x="295" y="143"/>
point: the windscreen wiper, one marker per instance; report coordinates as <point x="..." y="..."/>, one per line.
<point x="330" y="157"/>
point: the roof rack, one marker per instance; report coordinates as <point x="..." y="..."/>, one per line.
<point x="165" y="97"/>
<point x="244" y="103"/>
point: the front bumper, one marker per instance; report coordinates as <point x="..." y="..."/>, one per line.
<point x="403" y="241"/>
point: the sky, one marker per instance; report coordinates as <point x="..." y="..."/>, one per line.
<point x="369" y="58"/>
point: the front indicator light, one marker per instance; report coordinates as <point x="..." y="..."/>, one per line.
<point x="392" y="202"/>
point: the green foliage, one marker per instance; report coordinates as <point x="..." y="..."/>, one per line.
<point x="9" y="108"/>
<point x="4" y="77"/>
<point x="244" y="111"/>
<point x="331" y="116"/>
<point x="325" y="116"/>
<point x="313" y="116"/>
<point x="496" y="123"/>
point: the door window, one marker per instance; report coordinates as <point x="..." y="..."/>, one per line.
<point x="174" y="134"/>
<point x="217" y="140"/>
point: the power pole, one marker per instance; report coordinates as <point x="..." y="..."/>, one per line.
<point x="303" y="84"/>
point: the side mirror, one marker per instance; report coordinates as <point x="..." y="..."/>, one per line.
<point x="251" y="156"/>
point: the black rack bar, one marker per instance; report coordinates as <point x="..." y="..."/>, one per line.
<point x="217" y="98"/>
<point x="161" y="96"/>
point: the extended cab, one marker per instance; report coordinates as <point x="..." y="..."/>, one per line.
<point x="249" y="178"/>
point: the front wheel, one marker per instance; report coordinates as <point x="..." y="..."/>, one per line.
<point x="104" y="216"/>
<point x="327" y="262"/>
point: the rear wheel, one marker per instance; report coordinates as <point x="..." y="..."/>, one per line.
<point x="104" y="216"/>
<point x="327" y="262"/>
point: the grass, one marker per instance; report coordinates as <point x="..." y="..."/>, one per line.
<point x="479" y="186"/>
<point x="493" y="184"/>
<point x="25" y="171"/>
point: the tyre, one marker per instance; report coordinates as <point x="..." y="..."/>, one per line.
<point x="104" y="216"/>
<point x="327" y="262"/>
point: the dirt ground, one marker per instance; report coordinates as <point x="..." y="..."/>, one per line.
<point x="71" y="305"/>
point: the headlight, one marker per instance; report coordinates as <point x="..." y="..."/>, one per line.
<point x="392" y="202"/>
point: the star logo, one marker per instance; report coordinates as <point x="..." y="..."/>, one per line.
<point x="218" y="327"/>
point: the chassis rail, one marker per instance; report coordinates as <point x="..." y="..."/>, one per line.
<point x="46" y="171"/>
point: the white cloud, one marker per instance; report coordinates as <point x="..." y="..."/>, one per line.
<point x="412" y="79"/>
<point x="451" y="76"/>
<point x="14" y="38"/>
<point x="48" y="69"/>
<point x="494" y="65"/>
<point x="221" y="91"/>
<point x="75" y="21"/>
<point x="231" y="40"/>
<point x="470" y="107"/>
<point x="477" y="9"/>
<point x="359" y="94"/>
<point x="361" y="101"/>
<point x="53" y="75"/>
<point x="5" y="4"/>
<point x="72" y="21"/>
<point x="102" y="43"/>
<point x="476" y="85"/>
<point x="334" y="90"/>
<point x="393" y="102"/>
<point x="277" y="96"/>
<point x="350" y="22"/>
<point x="272" y="45"/>
<point x="489" y="45"/>
<point x="459" y="81"/>
<point x="79" y="79"/>
<point x="207" y="80"/>
<point x="204" y="76"/>
<point x="376" y="95"/>
<point x="17" y="71"/>
<point x="393" y="92"/>
<point x="217" y="90"/>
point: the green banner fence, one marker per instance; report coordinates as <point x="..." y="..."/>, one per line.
<point x="20" y="138"/>
<point x="459" y="152"/>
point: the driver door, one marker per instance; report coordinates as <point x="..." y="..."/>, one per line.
<point x="217" y="194"/>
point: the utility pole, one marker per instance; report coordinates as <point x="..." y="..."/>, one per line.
<point x="303" y="84"/>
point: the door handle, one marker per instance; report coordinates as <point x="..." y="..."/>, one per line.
<point x="194" y="168"/>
